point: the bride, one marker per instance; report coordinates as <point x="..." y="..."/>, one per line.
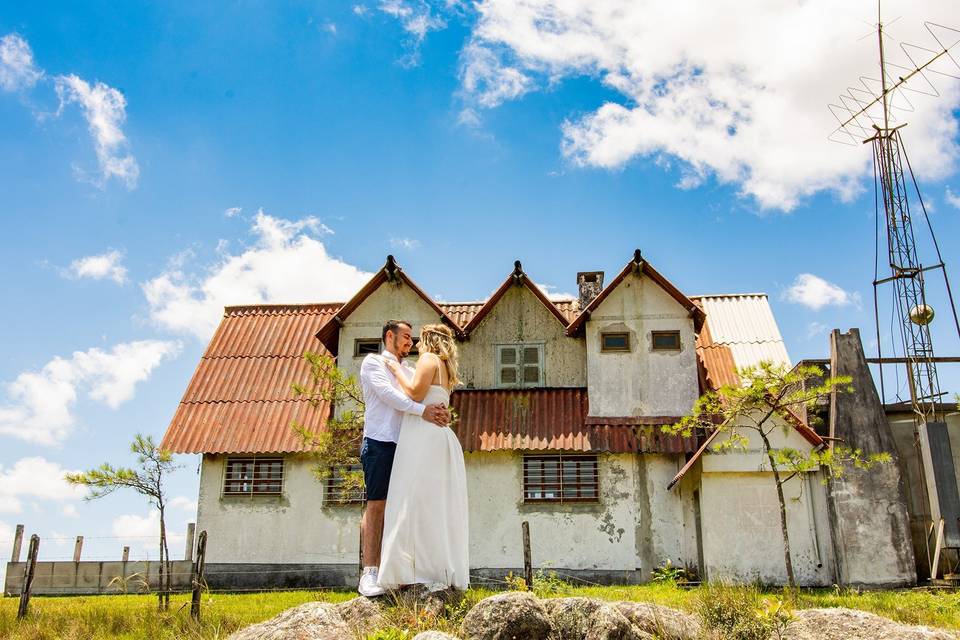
<point x="425" y="522"/>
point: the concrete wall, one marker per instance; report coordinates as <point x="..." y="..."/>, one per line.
<point x="520" y="317"/>
<point x="88" y="577"/>
<point x="292" y="528"/>
<point x="740" y="517"/>
<point x="642" y="382"/>
<point x="389" y="301"/>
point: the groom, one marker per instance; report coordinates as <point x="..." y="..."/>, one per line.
<point x="385" y="405"/>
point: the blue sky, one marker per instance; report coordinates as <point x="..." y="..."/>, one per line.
<point x="156" y="164"/>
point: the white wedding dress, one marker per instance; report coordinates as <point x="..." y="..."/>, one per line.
<point x="425" y="537"/>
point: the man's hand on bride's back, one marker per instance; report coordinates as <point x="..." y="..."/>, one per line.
<point x="438" y="414"/>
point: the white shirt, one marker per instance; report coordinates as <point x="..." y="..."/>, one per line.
<point x="385" y="403"/>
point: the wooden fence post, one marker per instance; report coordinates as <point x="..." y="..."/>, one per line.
<point x="17" y="541"/>
<point x="188" y="551"/>
<point x="197" y="579"/>
<point x="77" y="548"/>
<point x="527" y="560"/>
<point x="28" y="574"/>
<point x="126" y="554"/>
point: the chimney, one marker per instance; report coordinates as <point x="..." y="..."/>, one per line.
<point x="590" y="284"/>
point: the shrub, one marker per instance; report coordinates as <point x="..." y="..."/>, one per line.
<point x="740" y="613"/>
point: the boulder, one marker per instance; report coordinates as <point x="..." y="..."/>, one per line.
<point x="850" y="624"/>
<point x="589" y="619"/>
<point x="663" y="622"/>
<point x="316" y="621"/>
<point x="434" y="635"/>
<point x="508" y="616"/>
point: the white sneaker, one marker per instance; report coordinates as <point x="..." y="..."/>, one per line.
<point x="368" y="583"/>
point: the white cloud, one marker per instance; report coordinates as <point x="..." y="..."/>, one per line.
<point x="104" y="109"/>
<point x="142" y="532"/>
<point x="405" y="243"/>
<point x="17" y="68"/>
<point x="815" y="329"/>
<point x="731" y="90"/>
<point x="183" y="502"/>
<point x="98" y="267"/>
<point x="417" y="19"/>
<point x="329" y="27"/>
<point x="815" y="292"/>
<point x="233" y="212"/>
<point x="286" y="264"/>
<point x="35" y="477"/>
<point x="38" y="405"/>
<point x="951" y="198"/>
<point x="360" y="10"/>
<point x="553" y="294"/>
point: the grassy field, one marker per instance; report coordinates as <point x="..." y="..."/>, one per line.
<point x="135" y="616"/>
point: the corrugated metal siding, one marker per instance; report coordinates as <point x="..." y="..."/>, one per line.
<point x="239" y="399"/>
<point x="740" y="331"/>
<point x="550" y="419"/>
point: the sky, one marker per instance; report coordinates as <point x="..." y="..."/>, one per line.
<point x="159" y="163"/>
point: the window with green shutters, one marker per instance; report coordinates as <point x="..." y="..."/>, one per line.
<point x="520" y="365"/>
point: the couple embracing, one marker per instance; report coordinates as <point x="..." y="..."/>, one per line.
<point x="414" y="528"/>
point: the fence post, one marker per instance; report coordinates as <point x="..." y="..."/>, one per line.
<point x="28" y="574"/>
<point x="77" y="548"/>
<point x="188" y="552"/>
<point x="197" y="579"/>
<point x="17" y="541"/>
<point x="527" y="560"/>
<point x="126" y="554"/>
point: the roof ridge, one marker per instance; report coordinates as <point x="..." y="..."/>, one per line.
<point x="757" y="294"/>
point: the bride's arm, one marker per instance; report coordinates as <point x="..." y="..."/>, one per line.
<point x="416" y="389"/>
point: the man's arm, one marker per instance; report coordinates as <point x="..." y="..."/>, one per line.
<point x="375" y="374"/>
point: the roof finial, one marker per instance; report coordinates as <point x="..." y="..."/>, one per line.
<point x="517" y="271"/>
<point x="391" y="267"/>
<point x="636" y="256"/>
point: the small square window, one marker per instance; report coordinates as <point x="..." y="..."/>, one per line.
<point x="519" y="365"/>
<point x="665" y="340"/>
<point x="253" y="476"/>
<point x="561" y="478"/>
<point x="615" y="342"/>
<point x="364" y="346"/>
<point x="337" y="491"/>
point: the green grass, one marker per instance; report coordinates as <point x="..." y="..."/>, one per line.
<point x="135" y="616"/>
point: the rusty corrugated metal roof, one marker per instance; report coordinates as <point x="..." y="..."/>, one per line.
<point x="553" y="419"/>
<point x="239" y="399"/>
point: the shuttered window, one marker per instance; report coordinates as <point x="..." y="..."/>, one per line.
<point x="337" y="492"/>
<point x="520" y="365"/>
<point x="253" y="476"/>
<point x="561" y="478"/>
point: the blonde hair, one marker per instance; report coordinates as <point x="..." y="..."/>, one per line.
<point x="439" y="340"/>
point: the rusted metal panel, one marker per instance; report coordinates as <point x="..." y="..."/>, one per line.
<point x="554" y="419"/>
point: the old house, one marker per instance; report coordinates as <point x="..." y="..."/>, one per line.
<point x="559" y="417"/>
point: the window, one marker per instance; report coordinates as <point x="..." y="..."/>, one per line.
<point x="615" y="341"/>
<point x="665" y="340"/>
<point x="519" y="365"/>
<point x="560" y="478"/>
<point x="253" y="477"/>
<point x="338" y="493"/>
<point x="363" y="346"/>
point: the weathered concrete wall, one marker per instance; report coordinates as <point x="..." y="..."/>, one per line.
<point x="740" y="517"/>
<point x="868" y="508"/>
<point x="390" y="301"/>
<point x="901" y="424"/>
<point x="660" y="532"/>
<point x="292" y="528"/>
<point x="90" y="577"/>
<point x="641" y="382"/>
<point x="520" y="317"/>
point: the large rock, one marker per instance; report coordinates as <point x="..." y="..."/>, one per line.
<point x="434" y="635"/>
<point x="317" y="621"/>
<point x="850" y="624"/>
<point x="659" y="621"/>
<point x="589" y="619"/>
<point x="508" y="616"/>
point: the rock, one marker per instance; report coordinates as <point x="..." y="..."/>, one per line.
<point x="662" y="622"/>
<point x="850" y="624"/>
<point x="434" y="635"/>
<point x="316" y="621"/>
<point x="588" y="619"/>
<point x="508" y="616"/>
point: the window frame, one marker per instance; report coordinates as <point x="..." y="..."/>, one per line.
<point x="672" y="332"/>
<point x="332" y="489"/>
<point x="519" y="347"/>
<point x="257" y="461"/>
<point x="358" y="341"/>
<point x="581" y="482"/>
<point x="605" y="349"/>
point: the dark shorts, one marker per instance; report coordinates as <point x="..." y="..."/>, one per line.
<point x="376" y="457"/>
